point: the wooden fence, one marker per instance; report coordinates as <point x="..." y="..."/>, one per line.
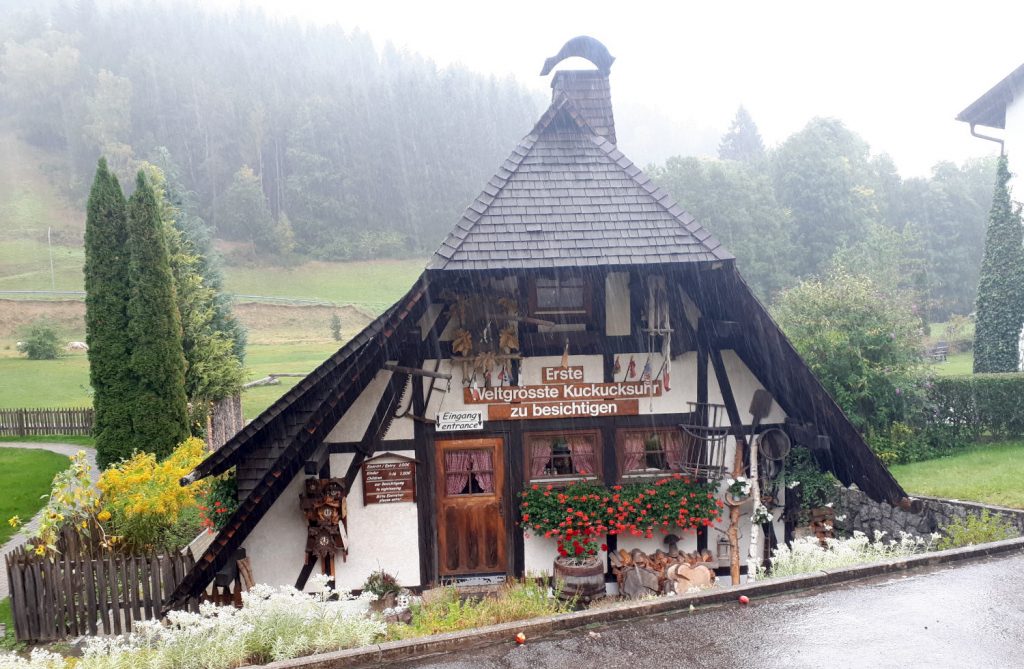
<point x="89" y="590"/>
<point x="27" y="422"/>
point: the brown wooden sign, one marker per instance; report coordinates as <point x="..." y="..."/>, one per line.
<point x="389" y="482"/>
<point x="562" y="392"/>
<point x="577" y="409"/>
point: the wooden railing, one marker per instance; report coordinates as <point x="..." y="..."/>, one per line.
<point x="28" y="422"/>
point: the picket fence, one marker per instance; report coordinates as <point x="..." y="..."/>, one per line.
<point x="89" y="589"/>
<point x="31" y="422"/>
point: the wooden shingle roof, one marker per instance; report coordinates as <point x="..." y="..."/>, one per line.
<point x="567" y="197"/>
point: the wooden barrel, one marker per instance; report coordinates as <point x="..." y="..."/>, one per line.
<point x="585" y="582"/>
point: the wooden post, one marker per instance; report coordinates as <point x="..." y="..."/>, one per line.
<point x="738" y="460"/>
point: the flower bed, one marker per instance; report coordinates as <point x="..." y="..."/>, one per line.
<point x="807" y="554"/>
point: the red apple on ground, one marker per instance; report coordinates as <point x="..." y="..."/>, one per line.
<point x="744" y="599"/>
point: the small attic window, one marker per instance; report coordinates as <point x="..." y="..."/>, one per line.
<point x="560" y="296"/>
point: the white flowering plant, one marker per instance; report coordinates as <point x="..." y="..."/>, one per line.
<point x="273" y="624"/>
<point x="738" y="487"/>
<point x="760" y="514"/>
<point x="807" y="554"/>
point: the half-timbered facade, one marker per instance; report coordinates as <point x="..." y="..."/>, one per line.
<point x="576" y="324"/>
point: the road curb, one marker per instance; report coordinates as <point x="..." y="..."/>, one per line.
<point x="395" y="651"/>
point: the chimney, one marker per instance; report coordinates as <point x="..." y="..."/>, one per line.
<point x="593" y="97"/>
<point x="588" y="89"/>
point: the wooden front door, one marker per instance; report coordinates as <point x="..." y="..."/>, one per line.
<point x="471" y="522"/>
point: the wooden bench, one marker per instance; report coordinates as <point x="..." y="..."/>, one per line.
<point x="939" y="352"/>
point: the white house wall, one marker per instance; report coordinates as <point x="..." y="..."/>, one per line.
<point x="354" y="422"/>
<point x="1013" y="144"/>
<point x="381" y="536"/>
<point x="276" y="547"/>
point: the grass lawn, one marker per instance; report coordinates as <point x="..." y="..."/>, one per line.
<point x="63" y="382"/>
<point x="263" y="360"/>
<point x="53" y="439"/>
<point x="371" y="284"/>
<point x="7" y="642"/>
<point x="989" y="473"/>
<point x="955" y="365"/>
<point x="25" y="476"/>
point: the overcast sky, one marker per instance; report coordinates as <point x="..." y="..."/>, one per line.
<point x="895" y="72"/>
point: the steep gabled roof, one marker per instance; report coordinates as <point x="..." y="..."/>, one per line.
<point x="290" y="430"/>
<point x="990" y="109"/>
<point x="567" y="197"/>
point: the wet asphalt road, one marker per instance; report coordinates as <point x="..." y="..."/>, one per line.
<point x="970" y="615"/>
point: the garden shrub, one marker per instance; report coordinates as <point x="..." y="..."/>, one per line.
<point x="40" y="341"/>
<point x="149" y="508"/>
<point x="815" y="487"/>
<point x="979" y="405"/>
<point x="976" y="529"/>
<point x="220" y="502"/>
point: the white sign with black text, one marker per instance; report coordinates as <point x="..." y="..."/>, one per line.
<point x="457" y="421"/>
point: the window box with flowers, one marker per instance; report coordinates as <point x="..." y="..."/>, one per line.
<point x="582" y="513"/>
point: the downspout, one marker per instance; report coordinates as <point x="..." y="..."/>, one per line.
<point x="1002" y="151"/>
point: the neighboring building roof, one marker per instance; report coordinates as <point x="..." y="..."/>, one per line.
<point x="990" y="109"/>
<point x="567" y="197"/>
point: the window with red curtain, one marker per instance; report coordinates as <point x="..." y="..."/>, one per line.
<point x="553" y="456"/>
<point x="652" y="452"/>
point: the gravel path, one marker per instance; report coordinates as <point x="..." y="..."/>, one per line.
<point x="19" y="538"/>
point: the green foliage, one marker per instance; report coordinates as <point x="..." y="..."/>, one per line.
<point x="959" y="333"/>
<point x="221" y="501"/>
<point x="335" y="327"/>
<point x="864" y="345"/>
<point x="40" y="341"/>
<point x="742" y="141"/>
<point x="815" y="487"/>
<point x="213" y="370"/>
<point x="822" y="174"/>
<point x="326" y="121"/>
<point x="159" y="417"/>
<point x="737" y="203"/>
<point x="106" y="316"/>
<point x="1000" y="305"/>
<point x="976" y="528"/>
<point x="244" y="214"/>
<point x="518" y="600"/>
<point x="381" y="584"/>
<point x="980" y="405"/>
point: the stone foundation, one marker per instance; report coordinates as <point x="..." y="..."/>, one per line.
<point x="865" y="515"/>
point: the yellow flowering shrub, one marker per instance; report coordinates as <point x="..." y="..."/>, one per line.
<point x="146" y="506"/>
<point x="73" y="502"/>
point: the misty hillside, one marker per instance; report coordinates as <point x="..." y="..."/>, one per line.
<point x="292" y="139"/>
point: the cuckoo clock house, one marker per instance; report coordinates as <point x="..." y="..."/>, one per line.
<point x="576" y="324"/>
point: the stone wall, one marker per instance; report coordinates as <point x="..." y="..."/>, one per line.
<point x="928" y="514"/>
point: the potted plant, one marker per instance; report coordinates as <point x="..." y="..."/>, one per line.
<point x="816" y="489"/>
<point x="385" y="587"/>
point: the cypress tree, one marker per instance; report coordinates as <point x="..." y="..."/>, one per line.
<point x="1000" y="308"/>
<point x="106" y="315"/>
<point x="159" y="406"/>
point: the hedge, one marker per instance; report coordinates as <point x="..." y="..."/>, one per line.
<point x="980" y="405"/>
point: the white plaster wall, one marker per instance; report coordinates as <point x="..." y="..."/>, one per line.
<point x="381" y="536"/>
<point x="616" y="304"/>
<point x="277" y="545"/>
<point x="1013" y="144"/>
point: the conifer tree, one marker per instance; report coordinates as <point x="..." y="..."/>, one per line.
<point x="159" y="406"/>
<point x="1000" y="307"/>
<point x="742" y="141"/>
<point x="106" y="316"/>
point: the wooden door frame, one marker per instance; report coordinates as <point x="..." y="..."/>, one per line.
<point x="500" y="441"/>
